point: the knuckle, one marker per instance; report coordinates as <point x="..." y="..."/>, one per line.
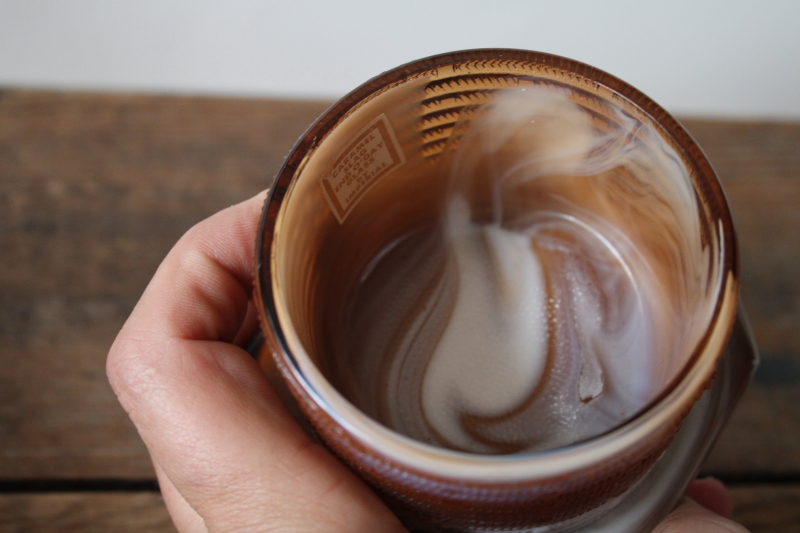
<point x="131" y="368"/>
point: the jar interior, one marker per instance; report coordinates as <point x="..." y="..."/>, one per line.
<point x="497" y="259"/>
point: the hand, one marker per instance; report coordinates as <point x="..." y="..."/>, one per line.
<point x="228" y="455"/>
<point x="707" y="508"/>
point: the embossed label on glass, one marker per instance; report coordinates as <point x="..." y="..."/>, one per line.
<point x="369" y="157"/>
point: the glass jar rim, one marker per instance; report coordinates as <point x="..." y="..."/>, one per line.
<point x="671" y="405"/>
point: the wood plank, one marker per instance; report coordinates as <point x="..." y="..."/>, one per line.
<point x="761" y="508"/>
<point x="84" y="513"/>
<point x="767" y="508"/>
<point x="95" y="188"/>
<point x="759" y="165"/>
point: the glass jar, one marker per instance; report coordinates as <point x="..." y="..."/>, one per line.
<point x="387" y="160"/>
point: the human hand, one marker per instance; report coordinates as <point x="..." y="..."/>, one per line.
<point x="707" y="508"/>
<point x="228" y="455"/>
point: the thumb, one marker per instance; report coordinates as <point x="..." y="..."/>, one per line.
<point x="228" y="454"/>
<point x="690" y="517"/>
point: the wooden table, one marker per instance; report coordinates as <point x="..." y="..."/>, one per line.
<point x="95" y="188"/>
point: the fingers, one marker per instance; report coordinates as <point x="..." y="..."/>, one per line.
<point x="711" y="494"/>
<point x="201" y="289"/>
<point x="707" y="508"/>
<point x="229" y="455"/>
<point x="690" y="517"/>
<point x="248" y="328"/>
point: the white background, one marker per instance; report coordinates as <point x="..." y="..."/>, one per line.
<point x="736" y="58"/>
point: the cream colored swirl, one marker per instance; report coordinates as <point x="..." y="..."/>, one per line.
<point x="493" y="350"/>
<point x="562" y="289"/>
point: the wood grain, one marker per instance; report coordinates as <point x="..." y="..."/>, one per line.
<point x="84" y="513"/>
<point x="767" y="508"/>
<point x="95" y="188"/>
<point x="761" y="508"/>
<point x="759" y="166"/>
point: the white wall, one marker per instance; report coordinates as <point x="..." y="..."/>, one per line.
<point x="738" y="58"/>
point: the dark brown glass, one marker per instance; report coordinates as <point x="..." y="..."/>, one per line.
<point x="319" y="233"/>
